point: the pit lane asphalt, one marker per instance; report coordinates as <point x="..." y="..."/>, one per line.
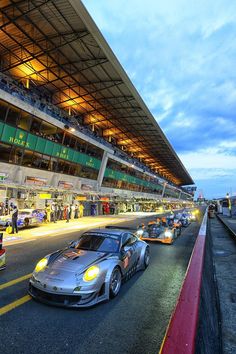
<point x="134" y="322"/>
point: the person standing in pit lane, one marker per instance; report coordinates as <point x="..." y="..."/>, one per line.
<point x="72" y="211"/>
<point x="67" y="212"/>
<point x="48" y="212"/>
<point x="2" y="254"/>
<point x="54" y="212"/>
<point x="81" y="210"/>
<point x="14" y="218"/>
<point x="76" y="211"/>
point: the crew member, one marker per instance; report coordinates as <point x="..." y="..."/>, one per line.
<point x="81" y="210"/>
<point x="14" y="218"/>
<point x="2" y="254"/>
<point x="48" y="212"/>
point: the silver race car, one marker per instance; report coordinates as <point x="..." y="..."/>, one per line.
<point x="90" y="270"/>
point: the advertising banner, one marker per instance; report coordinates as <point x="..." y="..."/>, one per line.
<point x="86" y="187"/>
<point x="65" y="185"/>
<point x="3" y="176"/>
<point x="37" y="181"/>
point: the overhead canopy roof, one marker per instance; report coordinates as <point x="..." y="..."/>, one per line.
<point x="57" y="46"/>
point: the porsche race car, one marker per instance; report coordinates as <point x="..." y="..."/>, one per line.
<point x="90" y="270"/>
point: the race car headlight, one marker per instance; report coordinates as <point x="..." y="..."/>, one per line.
<point x="91" y="273"/>
<point x="41" y="265"/>
<point x="168" y="234"/>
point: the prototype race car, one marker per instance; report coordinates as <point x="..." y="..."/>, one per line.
<point x="90" y="270"/>
<point x="26" y="217"/>
<point x="183" y="218"/>
<point x="193" y="215"/>
<point x="161" y="231"/>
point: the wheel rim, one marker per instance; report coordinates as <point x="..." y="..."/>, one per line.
<point x="115" y="281"/>
<point x="147" y="256"/>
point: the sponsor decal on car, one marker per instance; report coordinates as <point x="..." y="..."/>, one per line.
<point x="72" y="254"/>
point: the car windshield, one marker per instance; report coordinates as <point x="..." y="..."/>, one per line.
<point x="153" y="227"/>
<point x="99" y="243"/>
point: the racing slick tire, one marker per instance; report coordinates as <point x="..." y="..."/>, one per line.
<point x="115" y="282"/>
<point x="146" y="258"/>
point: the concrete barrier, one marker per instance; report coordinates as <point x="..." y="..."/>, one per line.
<point x="180" y="337"/>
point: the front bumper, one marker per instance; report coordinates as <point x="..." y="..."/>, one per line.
<point x="166" y="240"/>
<point x="67" y="300"/>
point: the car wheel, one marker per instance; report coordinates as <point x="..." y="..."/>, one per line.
<point x="115" y="282"/>
<point x="146" y="258"/>
<point x="26" y="222"/>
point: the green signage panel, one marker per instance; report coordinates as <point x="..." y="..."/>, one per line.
<point x="66" y="153"/>
<point x="1" y="128"/>
<point x="8" y="134"/>
<point x="22" y="138"/>
<point x="48" y="147"/>
<point x="92" y="162"/>
<point x="71" y="154"/>
<point x="40" y="145"/>
<point x="31" y="141"/>
<point x="110" y="173"/>
<point x="56" y="150"/>
<point x="76" y="157"/>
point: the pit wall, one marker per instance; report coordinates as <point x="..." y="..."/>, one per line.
<point x="194" y="326"/>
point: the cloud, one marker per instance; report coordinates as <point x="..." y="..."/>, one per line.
<point x="180" y="56"/>
<point x="209" y="158"/>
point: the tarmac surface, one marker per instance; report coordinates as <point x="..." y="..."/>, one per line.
<point x="134" y="322"/>
<point x="224" y="259"/>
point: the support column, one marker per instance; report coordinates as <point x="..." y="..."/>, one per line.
<point x="18" y="178"/>
<point x="102" y="169"/>
<point x="164" y="188"/>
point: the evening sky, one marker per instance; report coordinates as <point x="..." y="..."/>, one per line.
<point x="181" y="55"/>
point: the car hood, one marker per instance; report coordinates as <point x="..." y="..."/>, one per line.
<point x="75" y="260"/>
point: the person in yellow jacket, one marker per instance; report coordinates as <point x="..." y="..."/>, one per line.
<point x="81" y="210"/>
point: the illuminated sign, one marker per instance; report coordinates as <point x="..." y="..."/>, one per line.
<point x="81" y="198"/>
<point x="45" y="196"/>
<point x="104" y="199"/>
